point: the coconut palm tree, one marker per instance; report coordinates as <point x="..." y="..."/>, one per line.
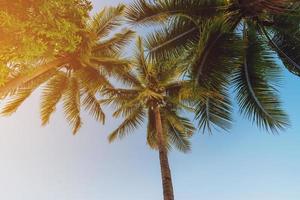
<point x="76" y="78"/>
<point x="158" y="95"/>
<point x="230" y="43"/>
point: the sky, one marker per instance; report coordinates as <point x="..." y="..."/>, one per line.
<point x="49" y="163"/>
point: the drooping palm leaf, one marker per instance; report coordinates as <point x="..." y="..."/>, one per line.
<point x="213" y="62"/>
<point x="284" y="38"/>
<point x="71" y="104"/>
<point x="15" y="101"/>
<point x="18" y="96"/>
<point x="133" y="121"/>
<point x="214" y="112"/>
<point x="179" y="130"/>
<point x="52" y="93"/>
<point x="253" y="82"/>
<point x="172" y="39"/>
<point x="93" y="106"/>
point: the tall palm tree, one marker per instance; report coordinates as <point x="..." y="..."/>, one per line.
<point x="230" y="43"/>
<point x="157" y="94"/>
<point x="76" y="78"/>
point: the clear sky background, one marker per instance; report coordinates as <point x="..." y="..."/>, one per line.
<point x="50" y="163"/>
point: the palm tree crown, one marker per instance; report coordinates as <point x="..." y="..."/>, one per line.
<point x="153" y="84"/>
<point x="79" y="77"/>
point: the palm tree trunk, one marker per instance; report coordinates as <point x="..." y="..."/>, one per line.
<point x="163" y="158"/>
<point x="22" y="79"/>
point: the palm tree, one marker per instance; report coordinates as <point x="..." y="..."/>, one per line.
<point x="157" y="94"/>
<point x="76" y="78"/>
<point x="230" y="43"/>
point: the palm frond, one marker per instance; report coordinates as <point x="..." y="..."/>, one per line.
<point x="142" y="66"/>
<point x="71" y="104"/>
<point x="52" y="93"/>
<point x="285" y="39"/>
<point x="255" y="94"/>
<point x="19" y="95"/>
<point x="213" y="63"/>
<point x="115" y="44"/>
<point x="109" y="61"/>
<point x="125" y="102"/>
<point x="179" y="131"/>
<point x="15" y="101"/>
<point x="93" y="106"/>
<point x="131" y="123"/>
<point x="214" y="112"/>
<point x="92" y="79"/>
<point x="168" y="71"/>
<point x="172" y="39"/>
<point x="179" y="140"/>
<point x="125" y="76"/>
<point x="147" y="12"/>
<point x="107" y="20"/>
<point x="120" y="96"/>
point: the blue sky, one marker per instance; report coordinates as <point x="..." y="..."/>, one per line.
<point x="49" y="163"/>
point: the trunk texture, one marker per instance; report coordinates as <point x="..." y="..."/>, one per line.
<point x="22" y="79"/>
<point x="163" y="158"/>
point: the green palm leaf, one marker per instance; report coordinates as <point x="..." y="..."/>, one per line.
<point x="255" y="94"/>
<point x="147" y="12"/>
<point x="214" y="112"/>
<point x="285" y="38"/>
<point x="133" y="121"/>
<point x="172" y="39"/>
<point x="179" y="131"/>
<point x="213" y="63"/>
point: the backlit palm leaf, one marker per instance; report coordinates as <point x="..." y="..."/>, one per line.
<point x="15" y="101"/>
<point x="52" y="93"/>
<point x="92" y="105"/>
<point x="71" y="104"/>
<point x="114" y="45"/>
<point x="18" y="96"/>
<point x="107" y="20"/>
